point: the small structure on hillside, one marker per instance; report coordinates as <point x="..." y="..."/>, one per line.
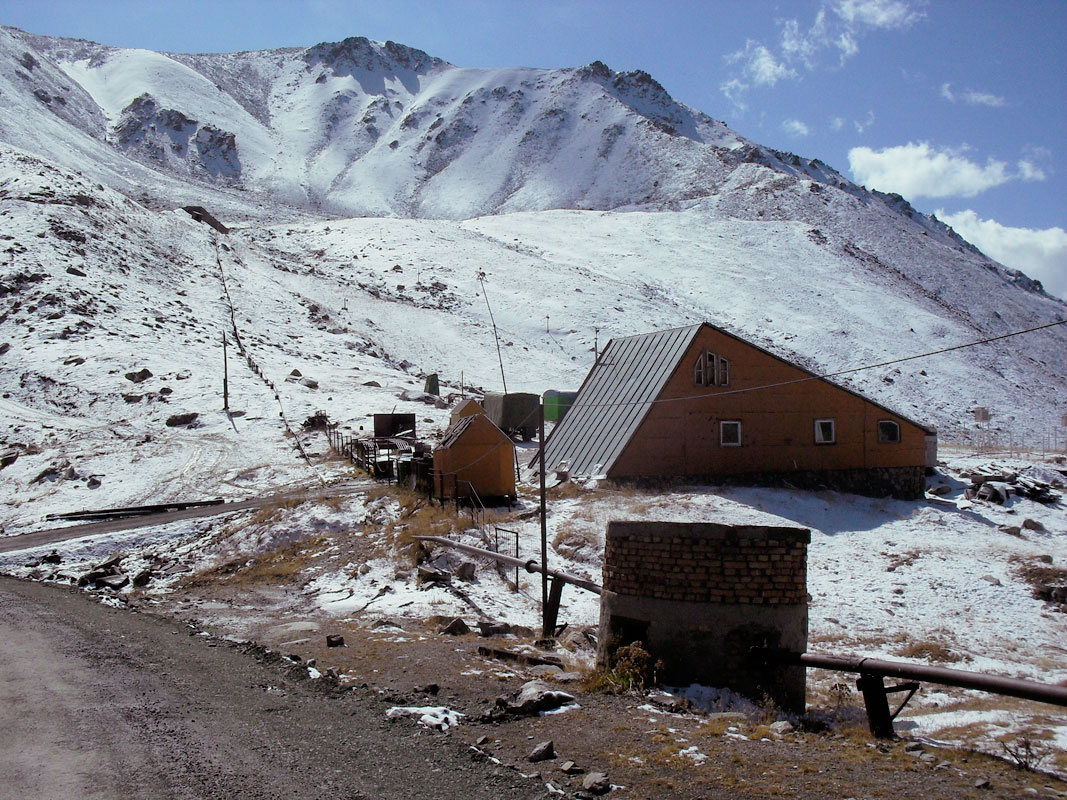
<point x="389" y="426"/>
<point x="475" y="459"/>
<point x="700" y="403"/>
<point x="467" y="407"/>
<point x="201" y="214"/>
<point x="557" y="404"/>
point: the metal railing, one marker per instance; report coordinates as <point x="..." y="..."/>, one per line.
<point x="873" y="671"/>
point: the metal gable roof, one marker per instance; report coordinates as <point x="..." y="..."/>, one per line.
<point x="614" y="399"/>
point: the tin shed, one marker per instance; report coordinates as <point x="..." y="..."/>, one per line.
<point x="474" y="457"/>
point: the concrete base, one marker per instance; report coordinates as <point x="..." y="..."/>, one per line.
<point x="708" y="643"/>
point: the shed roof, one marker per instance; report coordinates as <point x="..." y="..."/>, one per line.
<point x="460" y="425"/>
<point x="614" y="399"/>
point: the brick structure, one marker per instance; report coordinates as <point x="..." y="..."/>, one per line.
<point x="700" y="595"/>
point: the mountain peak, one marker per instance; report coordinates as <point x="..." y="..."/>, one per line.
<point x="360" y="54"/>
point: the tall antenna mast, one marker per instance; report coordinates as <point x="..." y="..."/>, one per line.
<point x="499" y="357"/>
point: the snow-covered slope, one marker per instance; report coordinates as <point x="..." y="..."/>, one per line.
<point x="594" y="205"/>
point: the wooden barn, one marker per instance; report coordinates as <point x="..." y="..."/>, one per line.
<point x="703" y="404"/>
<point x="474" y="457"/>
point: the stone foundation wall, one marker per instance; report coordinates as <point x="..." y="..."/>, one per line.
<point x="700" y="596"/>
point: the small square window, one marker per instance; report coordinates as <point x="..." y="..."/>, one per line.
<point x="824" y="431"/>
<point x="730" y="433"/>
<point x="888" y="432"/>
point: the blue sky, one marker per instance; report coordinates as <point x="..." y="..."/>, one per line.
<point x="959" y="106"/>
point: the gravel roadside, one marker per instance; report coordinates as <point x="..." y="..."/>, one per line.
<point x="101" y="702"/>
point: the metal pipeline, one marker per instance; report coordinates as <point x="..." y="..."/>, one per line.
<point x="531" y="565"/>
<point x="1011" y="687"/>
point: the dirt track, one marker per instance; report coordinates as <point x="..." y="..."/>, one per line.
<point x="97" y="702"/>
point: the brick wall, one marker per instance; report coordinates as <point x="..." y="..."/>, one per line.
<point x="707" y="563"/>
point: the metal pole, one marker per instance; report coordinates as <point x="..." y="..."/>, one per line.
<point x="225" y="377"/>
<point x="544" y="526"/>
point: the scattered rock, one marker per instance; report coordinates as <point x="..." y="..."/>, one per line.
<point x="466" y="571"/>
<point x="1011" y="530"/>
<point x="142" y="578"/>
<point x="456" y="627"/>
<point x="140" y="376"/>
<point x="93" y="482"/>
<point x="482" y="741"/>
<point x="310" y="383"/>
<point x="335" y="640"/>
<point x="534" y="697"/>
<point x="992" y="580"/>
<point x="545" y="751"/>
<point x="52" y="558"/>
<point x="180" y="420"/>
<point x="570" y="768"/>
<point x="1032" y="525"/>
<point x="913" y="747"/>
<point x="4" y="347"/>
<point x="374" y="384"/>
<point x="781" y="727"/>
<point x="430" y="575"/>
<point x="1045" y="558"/>
<point x="75" y="271"/>
<point x="982" y="783"/>
<point x="489" y="628"/>
<point x="429" y="688"/>
<point x="296" y="374"/>
<point x="597" y="783"/>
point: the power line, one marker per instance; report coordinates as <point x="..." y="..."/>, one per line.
<point x="826" y="375"/>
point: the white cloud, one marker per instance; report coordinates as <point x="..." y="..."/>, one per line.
<point x="760" y="66"/>
<point x="971" y="97"/>
<point x="840" y="32"/>
<point x="1041" y="254"/>
<point x="920" y="170"/>
<point x="890" y="14"/>
<point x="794" y="127"/>
<point x="837" y="123"/>
<point x="865" y="123"/>
<point x="1028" y="171"/>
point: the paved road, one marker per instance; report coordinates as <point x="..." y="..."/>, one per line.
<point x="104" y="703"/>
<point x="26" y="541"/>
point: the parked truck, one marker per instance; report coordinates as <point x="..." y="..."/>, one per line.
<point x="516" y="413"/>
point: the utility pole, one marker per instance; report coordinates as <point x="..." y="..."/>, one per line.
<point x="225" y="377"/>
<point x="545" y="632"/>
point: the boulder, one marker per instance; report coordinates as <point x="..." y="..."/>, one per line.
<point x="181" y="420"/>
<point x="465" y="571"/>
<point x="456" y="627"/>
<point x="534" y="697"/>
<point x="545" y="751"/>
<point x="596" y="783"/>
<point x="335" y="640"/>
<point x="140" y="376"/>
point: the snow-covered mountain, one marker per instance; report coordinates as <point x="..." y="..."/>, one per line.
<point x="368" y="187"/>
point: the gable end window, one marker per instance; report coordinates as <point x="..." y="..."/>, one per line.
<point x="730" y="433"/>
<point x="825" y="431"/>
<point x="711" y="370"/>
<point x="888" y="432"/>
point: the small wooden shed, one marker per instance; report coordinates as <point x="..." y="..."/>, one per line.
<point x="474" y="457"/>
<point x="467" y="407"/>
